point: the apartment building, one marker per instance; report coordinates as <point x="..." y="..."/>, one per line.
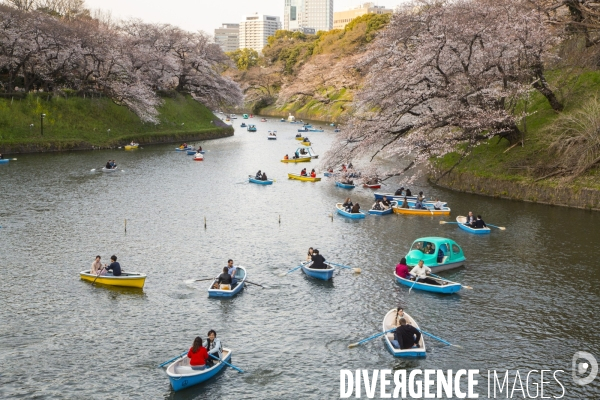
<point x="228" y="37"/>
<point x="255" y="29"/>
<point x="341" y="18"/>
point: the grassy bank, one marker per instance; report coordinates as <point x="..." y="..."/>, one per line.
<point x="73" y="122"/>
<point x="331" y="111"/>
<point x="530" y="162"/>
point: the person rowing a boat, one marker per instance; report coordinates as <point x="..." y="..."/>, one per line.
<point x="479" y="224"/>
<point x="420" y="272"/>
<point x="399" y="191"/>
<point x="258" y="175"/>
<point x="318" y="261"/>
<point x="231" y="271"/>
<point x="213" y="347"/>
<point x="108" y="165"/>
<point x="97" y="267"/>
<point x="223" y="279"/>
<point x="264" y="176"/>
<point x="114" y="266"/>
<point x="303" y="172"/>
<point x="198" y="355"/>
<point x="406" y="336"/>
<point x="404" y="203"/>
<point x="286" y="157"/>
<point x="355" y="209"/>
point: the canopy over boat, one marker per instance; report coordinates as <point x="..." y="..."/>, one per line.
<point x="182" y="375"/>
<point x="445" y="286"/>
<point x="340" y="210"/>
<point x="389" y="322"/>
<point x="322" y="274"/>
<point x="303" y="178"/>
<point x="240" y="275"/>
<point x="462" y="224"/>
<point x="306" y="151"/>
<point x="441" y="254"/>
<point x="251" y="128"/>
<point x="129" y="279"/>
<point x="245" y="116"/>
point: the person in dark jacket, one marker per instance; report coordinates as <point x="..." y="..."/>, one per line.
<point x="318" y="261"/>
<point x="258" y="175"/>
<point x="479" y="224"/>
<point x="264" y="176"/>
<point x="406" y="336"/>
<point x="224" y="278"/>
<point x="355" y="209"/>
<point x="114" y="266"/>
<point x="408" y="192"/>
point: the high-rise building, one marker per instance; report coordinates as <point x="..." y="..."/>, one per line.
<point x="228" y="37"/>
<point x="341" y="18"/>
<point x="306" y="15"/>
<point x="255" y="29"/>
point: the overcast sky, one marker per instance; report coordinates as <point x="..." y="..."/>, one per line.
<point x="206" y="15"/>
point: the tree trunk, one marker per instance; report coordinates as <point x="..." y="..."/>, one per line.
<point x="542" y="86"/>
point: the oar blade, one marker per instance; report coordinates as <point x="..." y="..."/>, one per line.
<point x="356" y="270"/>
<point x="353" y="345"/>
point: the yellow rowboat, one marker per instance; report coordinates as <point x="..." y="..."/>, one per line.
<point x="300" y="138"/>
<point x="297" y="160"/>
<point x="306" y="143"/>
<point x="130" y="279"/>
<point x="303" y="178"/>
<point x="426" y="212"/>
<point x="130" y="147"/>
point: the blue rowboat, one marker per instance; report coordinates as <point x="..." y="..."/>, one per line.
<point x="389" y="322"/>
<point x="341" y="211"/>
<point x="182" y="376"/>
<point x="191" y="152"/>
<point x="260" y="182"/>
<point x="272" y="137"/>
<point x="240" y="275"/>
<point x="446" y="287"/>
<point x="382" y="212"/>
<point x="307" y="126"/>
<point x="328" y="174"/>
<point x="4" y="161"/>
<point x="303" y="130"/>
<point x="462" y="225"/>
<point x="344" y="185"/>
<point x="315" y="130"/>
<point x="322" y="274"/>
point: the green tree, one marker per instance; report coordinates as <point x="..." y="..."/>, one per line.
<point x="244" y="58"/>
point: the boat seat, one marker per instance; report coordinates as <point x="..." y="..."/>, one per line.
<point x="225" y="287"/>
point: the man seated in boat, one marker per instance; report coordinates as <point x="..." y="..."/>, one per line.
<point x="429" y="249"/>
<point x="303" y="172"/>
<point x="406" y="336"/>
<point x="313" y="174"/>
<point x="347" y="204"/>
<point x="258" y="175"/>
<point x="421" y="272"/>
<point x="306" y="139"/>
<point x="355" y="209"/>
<point x="438" y="205"/>
<point x="108" y="165"/>
<point x="223" y="282"/>
<point x="318" y="261"/>
<point x="231" y="271"/>
<point x="198" y="355"/>
<point x="286" y="157"/>
<point x="479" y="224"/>
<point x="114" y="266"/>
<point x="97" y="267"/>
<point x="399" y="192"/>
<point x="264" y="176"/>
<point x="213" y="347"/>
<point x="404" y="203"/>
<point x="113" y="164"/>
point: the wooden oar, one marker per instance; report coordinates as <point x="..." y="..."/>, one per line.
<point x="292" y="270"/>
<point x="205" y="279"/>
<point x="437" y="338"/>
<point x="350" y="346"/>
<point x="226" y="363"/>
<point x="252" y="283"/>
<point x="499" y="227"/>
<point x="439" y="277"/>
<point x="357" y="270"/>
<point x="416" y="279"/>
<point x="13" y="159"/>
<point x="446" y="222"/>
<point x="172" y="359"/>
<point x="99" y="272"/>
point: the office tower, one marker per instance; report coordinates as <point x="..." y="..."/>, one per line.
<point x="228" y="37"/>
<point x="255" y="29"/>
<point x="308" y="15"/>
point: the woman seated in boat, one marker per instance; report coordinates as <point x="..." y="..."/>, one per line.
<point x="223" y="280"/>
<point x="258" y="175"/>
<point x="113" y="164"/>
<point x="408" y="193"/>
<point x="385" y="203"/>
<point x="347" y="204"/>
<point x="399" y="192"/>
<point x="303" y="172"/>
<point x="479" y="224"/>
<point x="355" y="209"/>
<point x="402" y="269"/>
<point x="377" y="205"/>
<point x="198" y="355"/>
<point x="438" y="205"/>
<point x="310" y="254"/>
<point x="97" y="267"/>
<point x="199" y="148"/>
<point x="264" y="176"/>
<point x="183" y="146"/>
<point x="404" y="203"/>
<point x="313" y="174"/>
<point x="318" y="261"/>
<point x="213" y="347"/>
<point x="286" y="157"/>
<point x="420" y="197"/>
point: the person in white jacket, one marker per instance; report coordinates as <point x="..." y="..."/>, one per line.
<point x="213" y="346"/>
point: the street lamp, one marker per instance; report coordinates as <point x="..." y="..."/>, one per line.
<point x="42" y="123"/>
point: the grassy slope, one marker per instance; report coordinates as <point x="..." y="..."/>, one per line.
<point x="490" y="159"/>
<point x="314" y="109"/>
<point x="74" y="120"/>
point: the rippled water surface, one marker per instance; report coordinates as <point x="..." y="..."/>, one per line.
<point x="536" y="285"/>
